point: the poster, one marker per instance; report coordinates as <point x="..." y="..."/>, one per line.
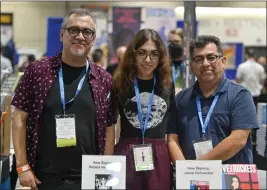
<point x="229" y="51"/>
<point x="103" y="172"/>
<point x="155" y="18"/>
<point x="240" y="176"/>
<point x="126" y="23"/>
<point x="200" y="174"/>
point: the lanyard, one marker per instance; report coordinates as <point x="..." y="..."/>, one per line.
<point x="175" y="74"/>
<point x="205" y="125"/>
<point x="61" y="87"/>
<point x="139" y="107"/>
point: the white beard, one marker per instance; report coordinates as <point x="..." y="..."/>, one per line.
<point x="77" y="52"/>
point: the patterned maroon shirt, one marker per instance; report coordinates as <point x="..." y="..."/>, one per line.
<point x="32" y="91"/>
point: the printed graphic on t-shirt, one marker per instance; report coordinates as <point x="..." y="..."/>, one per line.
<point x="158" y="110"/>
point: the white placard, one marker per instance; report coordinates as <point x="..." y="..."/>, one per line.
<point x="203" y="174"/>
<point x="103" y="172"/>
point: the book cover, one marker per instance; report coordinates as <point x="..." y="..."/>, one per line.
<point x="240" y="176"/>
<point x="103" y="172"/>
<point x="198" y="174"/>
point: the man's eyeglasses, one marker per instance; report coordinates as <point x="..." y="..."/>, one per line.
<point x="75" y="31"/>
<point x="199" y="60"/>
<point x="142" y="54"/>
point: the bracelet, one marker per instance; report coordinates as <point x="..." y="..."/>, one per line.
<point x="23" y="168"/>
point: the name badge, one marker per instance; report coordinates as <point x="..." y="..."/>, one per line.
<point x="65" y="130"/>
<point x="202" y="148"/>
<point x="143" y="157"/>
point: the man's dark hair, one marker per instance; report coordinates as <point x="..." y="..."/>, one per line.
<point x="202" y="41"/>
<point x="31" y="58"/>
<point x="97" y="55"/>
<point x="250" y="53"/>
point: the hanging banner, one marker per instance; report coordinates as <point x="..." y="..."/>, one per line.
<point x="155" y="18"/>
<point x="125" y="24"/>
<point x="249" y="31"/>
<point x="189" y="34"/>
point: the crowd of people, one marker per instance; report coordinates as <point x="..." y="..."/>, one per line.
<point x="67" y="106"/>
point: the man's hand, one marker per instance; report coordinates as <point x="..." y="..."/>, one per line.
<point x="28" y="179"/>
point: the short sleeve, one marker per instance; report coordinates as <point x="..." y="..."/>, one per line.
<point x="173" y="117"/>
<point x="111" y="113"/>
<point x="23" y="95"/>
<point x="243" y="112"/>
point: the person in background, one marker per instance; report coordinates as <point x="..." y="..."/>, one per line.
<point x="175" y="47"/>
<point x="59" y="111"/>
<point x="144" y="91"/>
<point x="5" y="62"/>
<point x="119" y="52"/>
<point x="26" y="63"/>
<point x="9" y="51"/>
<point x="98" y="58"/>
<point x="214" y="114"/>
<point x="262" y="60"/>
<point x="251" y="75"/>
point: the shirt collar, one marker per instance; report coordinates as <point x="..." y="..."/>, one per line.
<point x="56" y="63"/>
<point x="220" y="89"/>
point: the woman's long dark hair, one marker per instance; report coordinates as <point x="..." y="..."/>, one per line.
<point x="126" y="72"/>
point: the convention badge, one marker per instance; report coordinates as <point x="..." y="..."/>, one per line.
<point x="143" y="157"/>
<point x="65" y="130"/>
<point x="202" y="147"/>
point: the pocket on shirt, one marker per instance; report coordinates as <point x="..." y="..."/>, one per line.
<point x="220" y="125"/>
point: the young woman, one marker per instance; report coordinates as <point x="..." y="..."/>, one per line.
<point x="143" y="91"/>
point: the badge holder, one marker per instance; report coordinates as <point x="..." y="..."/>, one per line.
<point x="65" y="130"/>
<point x="202" y="147"/>
<point x="143" y="157"/>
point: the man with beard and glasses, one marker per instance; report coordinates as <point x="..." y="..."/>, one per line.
<point x="175" y="46"/>
<point x="63" y="110"/>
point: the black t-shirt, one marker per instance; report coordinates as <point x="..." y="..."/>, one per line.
<point x="67" y="161"/>
<point x="157" y="123"/>
<point x="112" y="68"/>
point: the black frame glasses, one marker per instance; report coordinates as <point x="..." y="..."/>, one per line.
<point x="142" y="54"/>
<point x="74" y="31"/>
<point x="199" y="60"/>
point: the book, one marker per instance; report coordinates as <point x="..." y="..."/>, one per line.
<point x="240" y="176"/>
<point x="198" y="174"/>
<point x="103" y="172"/>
